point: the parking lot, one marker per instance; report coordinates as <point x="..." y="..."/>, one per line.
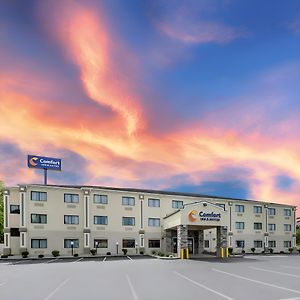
<point x="140" y="278"/>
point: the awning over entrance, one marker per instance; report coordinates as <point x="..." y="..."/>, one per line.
<point x="199" y="214"/>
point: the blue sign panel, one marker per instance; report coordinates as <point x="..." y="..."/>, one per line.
<point x="41" y="162"/>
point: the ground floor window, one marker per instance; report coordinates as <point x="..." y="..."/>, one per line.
<point x="38" y="243"/>
<point x="206" y="243"/>
<point x="128" y="243"/>
<point x="154" y="243"/>
<point x="100" y="243"/>
<point x="272" y="244"/>
<point x="258" y="244"/>
<point x="68" y="243"/>
<point x="240" y="244"/>
<point x="287" y="244"/>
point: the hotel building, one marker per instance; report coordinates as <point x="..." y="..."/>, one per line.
<point x="43" y="218"/>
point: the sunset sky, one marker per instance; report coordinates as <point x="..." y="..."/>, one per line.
<point x="194" y="96"/>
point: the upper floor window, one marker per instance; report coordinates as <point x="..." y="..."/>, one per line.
<point x="239" y="208"/>
<point x="15" y="209"/>
<point x="38" y="196"/>
<point x="177" y="204"/>
<point x="258" y="226"/>
<point x="239" y="225"/>
<point x="39" y="218"/>
<point x="287" y="227"/>
<point x="71" y="243"/>
<point x="38" y="243"/>
<point x="154" y="222"/>
<point x="271" y="211"/>
<point x="272" y="227"/>
<point x="71" y="219"/>
<point x="100" y="220"/>
<point x="257" y="209"/>
<point x="128" y="221"/>
<point x="287" y="212"/>
<point x="71" y="198"/>
<point x="153" y="202"/>
<point x="100" y="199"/>
<point x="128" y="201"/>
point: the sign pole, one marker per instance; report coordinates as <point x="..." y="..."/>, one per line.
<point x="45" y="176"/>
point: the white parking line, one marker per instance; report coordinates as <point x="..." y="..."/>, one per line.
<point x="50" y="261"/>
<point x="56" y="289"/>
<point x="203" y="286"/>
<point x="275" y="272"/>
<point x="289" y="267"/>
<point x="17" y="262"/>
<point x="129" y="257"/>
<point x="2" y="283"/>
<point x="290" y="299"/>
<point x="104" y="259"/>
<point x="133" y="292"/>
<point x="256" y="281"/>
<point x="81" y="258"/>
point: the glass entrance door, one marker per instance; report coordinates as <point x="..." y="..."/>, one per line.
<point x="191" y="245"/>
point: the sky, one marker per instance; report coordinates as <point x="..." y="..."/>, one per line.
<point x="196" y="96"/>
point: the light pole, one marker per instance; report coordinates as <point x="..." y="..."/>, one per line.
<point x="72" y="246"/>
<point x="96" y="244"/>
<point x="136" y="248"/>
<point x="117" y="246"/>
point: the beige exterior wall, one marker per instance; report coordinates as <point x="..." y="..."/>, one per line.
<point x="55" y="231"/>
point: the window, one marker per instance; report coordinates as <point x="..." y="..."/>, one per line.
<point x="100" y="199"/>
<point x="287" y="212"/>
<point x="14" y="232"/>
<point x="257" y="209"/>
<point x="71" y="198"/>
<point x="128" y="221"/>
<point x="154" y="222"/>
<point x="287" y="244"/>
<point x="258" y="244"/>
<point x="128" y="243"/>
<point x="206" y="243"/>
<point x="272" y="227"/>
<point x="272" y="244"/>
<point x="287" y="227"/>
<point x="71" y="219"/>
<point x="239" y="225"/>
<point x="68" y="243"/>
<point x="100" y="243"/>
<point x="177" y="204"/>
<point x="100" y="220"/>
<point x="38" y="196"/>
<point x="153" y="202"/>
<point x="15" y="209"/>
<point x="38" y="243"/>
<point x="39" y="218"/>
<point x="258" y="226"/>
<point x="239" y="208"/>
<point x="240" y="244"/>
<point x="128" y="201"/>
<point x="154" y="243"/>
<point x="221" y="205"/>
<point x="271" y="211"/>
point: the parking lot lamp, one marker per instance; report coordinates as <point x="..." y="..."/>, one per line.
<point x="117" y="246"/>
<point x="72" y="246"/>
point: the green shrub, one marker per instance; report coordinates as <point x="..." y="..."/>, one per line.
<point x="291" y="250"/>
<point x="55" y="253"/>
<point x="124" y="251"/>
<point x="153" y="252"/>
<point x="25" y="254"/>
<point x="108" y="253"/>
<point x="253" y="250"/>
<point x="4" y="256"/>
<point x="40" y="255"/>
<point x="142" y="252"/>
<point x="75" y="254"/>
<point x="271" y="250"/>
<point x="93" y="251"/>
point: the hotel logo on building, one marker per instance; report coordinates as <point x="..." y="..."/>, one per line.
<point x="203" y="216"/>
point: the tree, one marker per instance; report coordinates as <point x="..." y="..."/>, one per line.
<point x="298" y="236"/>
<point x="1" y="212"/>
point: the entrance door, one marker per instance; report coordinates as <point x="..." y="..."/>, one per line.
<point x="174" y="244"/>
<point x="191" y="245"/>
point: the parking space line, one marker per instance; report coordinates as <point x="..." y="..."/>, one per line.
<point x="275" y="272"/>
<point x="203" y="286"/>
<point x="104" y="259"/>
<point x="80" y="259"/>
<point x="289" y="267"/>
<point x="56" y="289"/>
<point x="135" y="297"/>
<point x="52" y="260"/>
<point x="17" y="262"/>
<point x="2" y="283"/>
<point x="291" y="298"/>
<point x="129" y="257"/>
<point x="256" y="281"/>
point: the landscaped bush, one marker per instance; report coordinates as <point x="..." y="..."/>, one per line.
<point x="108" y="253"/>
<point x="93" y="251"/>
<point x="160" y="254"/>
<point x="75" y="254"/>
<point x="4" y="256"/>
<point x="25" y="254"/>
<point x="40" y="255"/>
<point x="153" y="252"/>
<point x="55" y="253"/>
<point x="253" y="250"/>
<point x="243" y="251"/>
<point x="298" y="250"/>
<point x="142" y="252"/>
<point x="124" y="251"/>
<point x="271" y="250"/>
<point x="291" y="250"/>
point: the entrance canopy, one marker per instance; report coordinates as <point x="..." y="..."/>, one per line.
<point x="198" y="214"/>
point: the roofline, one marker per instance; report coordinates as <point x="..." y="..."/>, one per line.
<point x="150" y="191"/>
